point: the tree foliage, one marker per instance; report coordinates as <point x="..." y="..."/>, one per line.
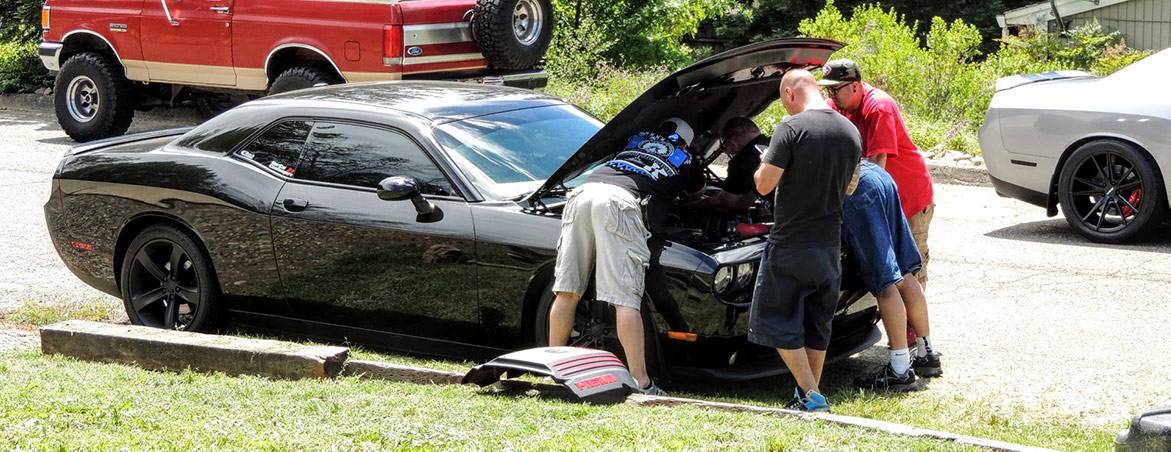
<point x="20" y="20"/>
<point x="754" y="20"/>
<point x="626" y="33"/>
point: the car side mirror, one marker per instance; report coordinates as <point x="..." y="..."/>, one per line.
<point x="398" y="188"/>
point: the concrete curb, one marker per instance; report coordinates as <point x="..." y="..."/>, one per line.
<point x="976" y="176"/>
<point x="870" y="424"/>
<point x="393" y="372"/>
<point x="158" y="349"/>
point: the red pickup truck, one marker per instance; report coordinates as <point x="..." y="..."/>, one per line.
<point x="114" y="56"/>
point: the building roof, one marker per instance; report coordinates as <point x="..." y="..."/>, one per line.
<point x="1041" y="13"/>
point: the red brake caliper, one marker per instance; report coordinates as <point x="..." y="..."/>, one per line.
<point x="1133" y="199"/>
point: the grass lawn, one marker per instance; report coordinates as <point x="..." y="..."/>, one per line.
<point x="50" y="402"/>
<point x="59" y="403"/>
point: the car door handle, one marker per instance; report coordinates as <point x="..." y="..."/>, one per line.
<point x="220" y="9"/>
<point x="295" y="204"/>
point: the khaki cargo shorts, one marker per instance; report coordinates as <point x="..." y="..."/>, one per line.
<point x="920" y="224"/>
<point x="602" y="224"/>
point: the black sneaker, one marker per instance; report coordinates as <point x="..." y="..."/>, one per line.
<point x="886" y="379"/>
<point x="927" y="366"/>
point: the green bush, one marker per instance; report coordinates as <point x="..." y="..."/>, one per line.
<point x="611" y="90"/>
<point x="21" y="70"/>
<point x="942" y="88"/>
<point x="630" y="34"/>
<point x="20" y="20"/>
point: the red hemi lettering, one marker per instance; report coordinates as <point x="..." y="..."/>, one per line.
<point x="596" y="381"/>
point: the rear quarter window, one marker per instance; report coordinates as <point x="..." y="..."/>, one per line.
<point x="279" y="147"/>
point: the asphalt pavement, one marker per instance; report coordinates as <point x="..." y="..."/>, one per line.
<point x="1029" y="315"/>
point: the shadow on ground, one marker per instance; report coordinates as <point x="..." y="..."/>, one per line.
<point x="1058" y="232"/>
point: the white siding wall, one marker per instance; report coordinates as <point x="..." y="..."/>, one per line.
<point x="1145" y="23"/>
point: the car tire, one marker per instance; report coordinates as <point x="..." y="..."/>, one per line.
<point x="167" y="282"/>
<point x="513" y="34"/>
<point x="92" y="97"/>
<point x="598" y="331"/>
<point x="1111" y="192"/>
<point x="302" y="77"/>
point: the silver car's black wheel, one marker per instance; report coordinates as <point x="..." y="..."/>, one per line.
<point x="1111" y="192"/>
<point x="167" y="283"/>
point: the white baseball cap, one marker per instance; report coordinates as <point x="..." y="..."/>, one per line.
<point x="682" y="129"/>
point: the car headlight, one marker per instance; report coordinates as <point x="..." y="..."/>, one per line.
<point x="723" y="279"/>
<point x="744" y="274"/>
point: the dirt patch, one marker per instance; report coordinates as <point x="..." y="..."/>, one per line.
<point x="18" y="337"/>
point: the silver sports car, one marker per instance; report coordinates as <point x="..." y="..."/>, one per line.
<point x="1098" y="146"/>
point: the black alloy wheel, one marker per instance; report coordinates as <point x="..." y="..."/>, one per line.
<point x="167" y="283"/>
<point x="595" y="326"/>
<point x="1111" y="192"/>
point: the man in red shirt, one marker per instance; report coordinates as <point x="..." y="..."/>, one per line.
<point x="886" y="143"/>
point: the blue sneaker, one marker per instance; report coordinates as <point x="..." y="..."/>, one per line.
<point x="813" y="401"/>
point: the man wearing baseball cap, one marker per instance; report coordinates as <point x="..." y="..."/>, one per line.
<point x="885" y="142"/>
<point x="604" y="226"/>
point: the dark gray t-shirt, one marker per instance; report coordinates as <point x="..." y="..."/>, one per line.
<point x="818" y="149"/>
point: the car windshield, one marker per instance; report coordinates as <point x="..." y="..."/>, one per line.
<point x="509" y="154"/>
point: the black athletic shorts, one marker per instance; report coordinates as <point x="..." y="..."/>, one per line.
<point x="795" y="297"/>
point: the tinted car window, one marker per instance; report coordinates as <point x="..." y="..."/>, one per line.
<point x="511" y="153"/>
<point x="362" y="156"/>
<point x="278" y="147"/>
<point x="220" y="134"/>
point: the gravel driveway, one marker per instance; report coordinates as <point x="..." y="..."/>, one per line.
<point x="1030" y="316"/>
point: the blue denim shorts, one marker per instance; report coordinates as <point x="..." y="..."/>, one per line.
<point x="877" y="232"/>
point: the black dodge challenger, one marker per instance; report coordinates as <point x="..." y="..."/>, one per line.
<point x="420" y="216"/>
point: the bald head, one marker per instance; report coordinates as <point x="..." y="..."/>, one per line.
<point x="799" y="92"/>
<point x="799" y="79"/>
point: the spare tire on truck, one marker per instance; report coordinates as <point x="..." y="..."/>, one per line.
<point x="513" y="34"/>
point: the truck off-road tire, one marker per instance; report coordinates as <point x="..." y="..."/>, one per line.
<point x="513" y="34"/>
<point x="302" y="77"/>
<point x="92" y="97"/>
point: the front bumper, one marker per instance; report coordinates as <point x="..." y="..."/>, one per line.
<point x="50" y="53"/>
<point x="736" y="359"/>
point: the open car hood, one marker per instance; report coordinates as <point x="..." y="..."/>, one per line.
<point x="739" y="82"/>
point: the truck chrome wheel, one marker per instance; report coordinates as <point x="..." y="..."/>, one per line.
<point x="513" y="34"/>
<point x="82" y="99"/>
<point x="527" y="21"/>
<point x="92" y="97"/>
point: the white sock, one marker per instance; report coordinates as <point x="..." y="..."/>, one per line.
<point x="926" y="347"/>
<point x="920" y="348"/>
<point x="900" y="360"/>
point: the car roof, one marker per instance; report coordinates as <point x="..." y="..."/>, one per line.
<point x="437" y="101"/>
